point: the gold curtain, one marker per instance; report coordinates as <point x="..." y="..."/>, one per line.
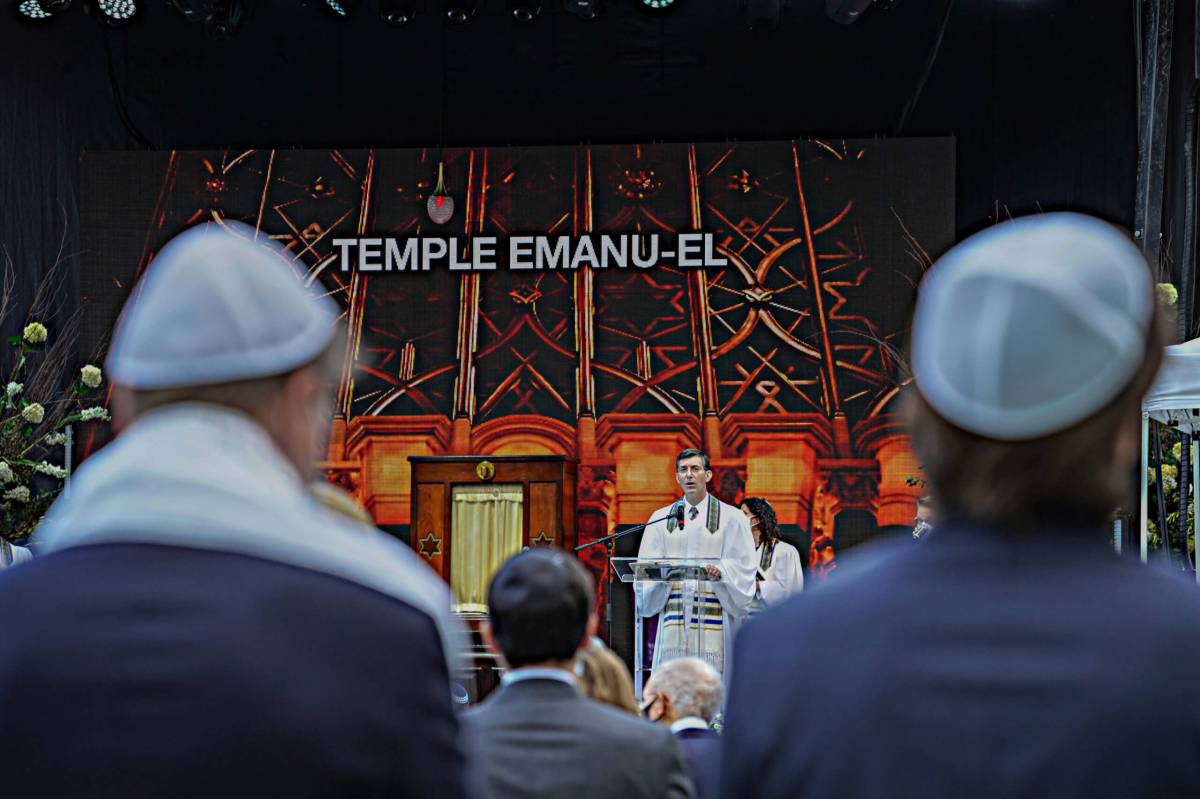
<point x="485" y="525"/>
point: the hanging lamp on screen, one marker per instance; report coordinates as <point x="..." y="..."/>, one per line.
<point x="440" y="204"/>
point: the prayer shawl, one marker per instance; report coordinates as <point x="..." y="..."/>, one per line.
<point x="699" y="618"/>
<point x="780" y="574"/>
<point x="207" y="477"/>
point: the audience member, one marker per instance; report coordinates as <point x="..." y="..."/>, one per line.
<point x="1013" y="653"/>
<point x="198" y="625"/>
<point x="536" y="736"/>
<point x="686" y="694"/>
<point x="603" y="677"/>
<point x="779" y="574"/>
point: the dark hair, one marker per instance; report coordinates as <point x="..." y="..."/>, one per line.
<point x="768" y="523"/>
<point x="692" y="453"/>
<point x="539" y="603"/>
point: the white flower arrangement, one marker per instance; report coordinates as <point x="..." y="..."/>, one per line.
<point x="35" y="333"/>
<point x="36" y="415"/>
<point x="18" y="494"/>
<point x="44" y="467"/>
<point x="93" y="414"/>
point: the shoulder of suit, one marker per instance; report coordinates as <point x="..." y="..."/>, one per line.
<point x="624" y="725"/>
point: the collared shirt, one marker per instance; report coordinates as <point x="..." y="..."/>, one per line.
<point x="520" y="675"/>
<point x="689" y="723"/>
<point x="701" y="510"/>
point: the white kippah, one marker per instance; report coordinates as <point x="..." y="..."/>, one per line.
<point x="215" y="306"/>
<point x="1031" y="326"/>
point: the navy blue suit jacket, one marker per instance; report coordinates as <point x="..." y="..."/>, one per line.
<point x="702" y="753"/>
<point x="136" y="670"/>
<point x="974" y="664"/>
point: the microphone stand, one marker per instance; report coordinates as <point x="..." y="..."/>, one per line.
<point x="609" y="541"/>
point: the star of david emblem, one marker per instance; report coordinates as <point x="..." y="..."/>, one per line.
<point x="431" y="545"/>
<point x="542" y="539"/>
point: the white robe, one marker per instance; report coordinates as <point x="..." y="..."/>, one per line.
<point x="732" y="543"/>
<point x="783" y="577"/>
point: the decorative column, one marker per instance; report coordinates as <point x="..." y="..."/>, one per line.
<point x="357" y="303"/>
<point x="710" y="422"/>
<point x="468" y="330"/>
<point x="585" y="332"/>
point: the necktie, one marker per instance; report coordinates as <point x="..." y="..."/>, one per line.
<point x="694" y="514"/>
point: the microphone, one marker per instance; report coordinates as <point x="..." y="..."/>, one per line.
<point x="678" y="511"/>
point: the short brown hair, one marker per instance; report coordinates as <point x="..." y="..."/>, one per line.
<point x="1021" y="485"/>
<point x="692" y="453"/>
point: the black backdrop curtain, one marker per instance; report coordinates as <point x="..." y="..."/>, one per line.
<point x="1040" y="95"/>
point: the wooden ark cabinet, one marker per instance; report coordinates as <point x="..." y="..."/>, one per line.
<point x="546" y="483"/>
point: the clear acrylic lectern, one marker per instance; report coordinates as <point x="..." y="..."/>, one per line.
<point x="689" y="572"/>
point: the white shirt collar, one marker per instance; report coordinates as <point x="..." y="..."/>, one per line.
<point x="701" y="506"/>
<point x="689" y="723"/>
<point x="521" y="675"/>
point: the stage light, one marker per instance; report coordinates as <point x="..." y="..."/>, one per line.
<point x="118" y="12"/>
<point x="658" y="5"/>
<point x="524" y="10"/>
<point x="588" y="9"/>
<point x="340" y="8"/>
<point x="845" y="12"/>
<point x="31" y="11"/>
<point x="762" y="14"/>
<point x="398" y="12"/>
<point x="459" y="11"/>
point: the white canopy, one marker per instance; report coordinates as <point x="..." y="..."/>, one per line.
<point x="1175" y="396"/>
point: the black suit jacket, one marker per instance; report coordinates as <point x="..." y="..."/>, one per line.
<point x="974" y="664"/>
<point x="132" y="670"/>
<point x="541" y="738"/>
<point x="702" y="753"/>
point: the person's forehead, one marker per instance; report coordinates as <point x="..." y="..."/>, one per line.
<point x="692" y="460"/>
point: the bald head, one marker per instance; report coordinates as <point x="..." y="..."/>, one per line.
<point x="689" y="686"/>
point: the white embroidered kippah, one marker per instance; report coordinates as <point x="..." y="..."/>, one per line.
<point x="217" y="306"/>
<point x="1031" y="326"/>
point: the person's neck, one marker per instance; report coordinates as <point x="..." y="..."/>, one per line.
<point x="695" y="501"/>
<point x="567" y="666"/>
<point x="757" y="537"/>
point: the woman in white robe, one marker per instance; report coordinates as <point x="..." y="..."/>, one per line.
<point x="779" y="573"/>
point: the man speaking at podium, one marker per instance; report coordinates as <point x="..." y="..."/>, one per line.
<point x="698" y="618"/>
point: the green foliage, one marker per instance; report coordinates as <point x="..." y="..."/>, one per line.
<point x="1172" y="453"/>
